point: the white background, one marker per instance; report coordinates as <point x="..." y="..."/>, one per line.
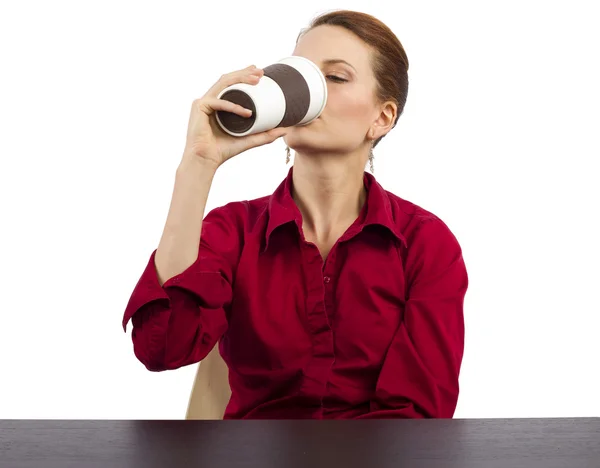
<point x="499" y="138"/>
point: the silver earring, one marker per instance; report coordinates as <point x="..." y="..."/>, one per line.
<point x="371" y="157"/>
<point x="287" y="157"/>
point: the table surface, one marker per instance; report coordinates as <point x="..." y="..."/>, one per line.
<point x="464" y="443"/>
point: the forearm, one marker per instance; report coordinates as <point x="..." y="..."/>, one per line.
<point x="180" y="240"/>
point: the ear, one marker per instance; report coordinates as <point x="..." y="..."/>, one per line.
<point x="385" y="120"/>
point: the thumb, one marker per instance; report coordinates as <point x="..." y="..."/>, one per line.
<point x="263" y="138"/>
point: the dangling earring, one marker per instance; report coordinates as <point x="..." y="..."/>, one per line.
<point x="371" y="157"/>
<point x="287" y="157"/>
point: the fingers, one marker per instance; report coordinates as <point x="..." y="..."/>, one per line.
<point x="263" y="138"/>
<point x="250" y="75"/>
<point x="210" y="104"/>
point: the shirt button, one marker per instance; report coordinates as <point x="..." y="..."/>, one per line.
<point x="327" y="279"/>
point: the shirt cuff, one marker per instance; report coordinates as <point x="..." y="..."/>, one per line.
<point x="211" y="288"/>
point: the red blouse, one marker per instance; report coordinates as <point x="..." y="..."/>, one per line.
<point x="375" y="331"/>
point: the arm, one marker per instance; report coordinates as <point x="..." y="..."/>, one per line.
<point x="179" y="244"/>
<point x="419" y="376"/>
<point x="178" y="305"/>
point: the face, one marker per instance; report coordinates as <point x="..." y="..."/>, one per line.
<point x="352" y="110"/>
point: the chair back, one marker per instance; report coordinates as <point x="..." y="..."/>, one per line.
<point x="210" y="391"/>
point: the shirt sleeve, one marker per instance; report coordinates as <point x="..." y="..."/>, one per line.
<point x="419" y="376"/>
<point x="179" y="323"/>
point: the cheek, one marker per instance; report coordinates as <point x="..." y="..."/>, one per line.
<point x="347" y="106"/>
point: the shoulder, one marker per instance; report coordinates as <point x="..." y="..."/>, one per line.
<point x="241" y="214"/>
<point x="419" y="225"/>
<point x="434" y="257"/>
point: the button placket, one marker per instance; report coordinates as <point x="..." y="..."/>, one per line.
<point x="317" y="370"/>
<point x="329" y="265"/>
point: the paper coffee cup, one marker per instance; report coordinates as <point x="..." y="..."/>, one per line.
<point x="291" y="92"/>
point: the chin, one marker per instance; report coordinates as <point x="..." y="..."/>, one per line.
<point x="309" y="145"/>
<point x="303" y="137"/>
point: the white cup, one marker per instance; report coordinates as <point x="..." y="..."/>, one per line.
<point x="292" y="91"/>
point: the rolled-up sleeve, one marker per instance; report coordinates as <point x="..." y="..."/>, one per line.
<point x="420" y="374"/>
<point x="178" y="323"/>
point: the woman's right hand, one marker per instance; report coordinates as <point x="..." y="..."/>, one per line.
<point x="205" y="138"/>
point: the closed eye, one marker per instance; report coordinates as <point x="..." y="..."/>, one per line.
<point x="336" y="79"/>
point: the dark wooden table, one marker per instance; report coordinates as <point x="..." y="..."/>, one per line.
<point x="464" y="443"/>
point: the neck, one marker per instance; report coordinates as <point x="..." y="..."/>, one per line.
<point x="328" y="191"/>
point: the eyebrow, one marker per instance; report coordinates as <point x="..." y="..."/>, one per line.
<point x="334" y="61"/>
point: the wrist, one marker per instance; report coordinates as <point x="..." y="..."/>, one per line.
<point x="191" y="162"/>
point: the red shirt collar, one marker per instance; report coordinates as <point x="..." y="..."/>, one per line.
<point x="377" y="208"/>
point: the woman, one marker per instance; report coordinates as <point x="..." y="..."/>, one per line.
<point x="330" y="298"/>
